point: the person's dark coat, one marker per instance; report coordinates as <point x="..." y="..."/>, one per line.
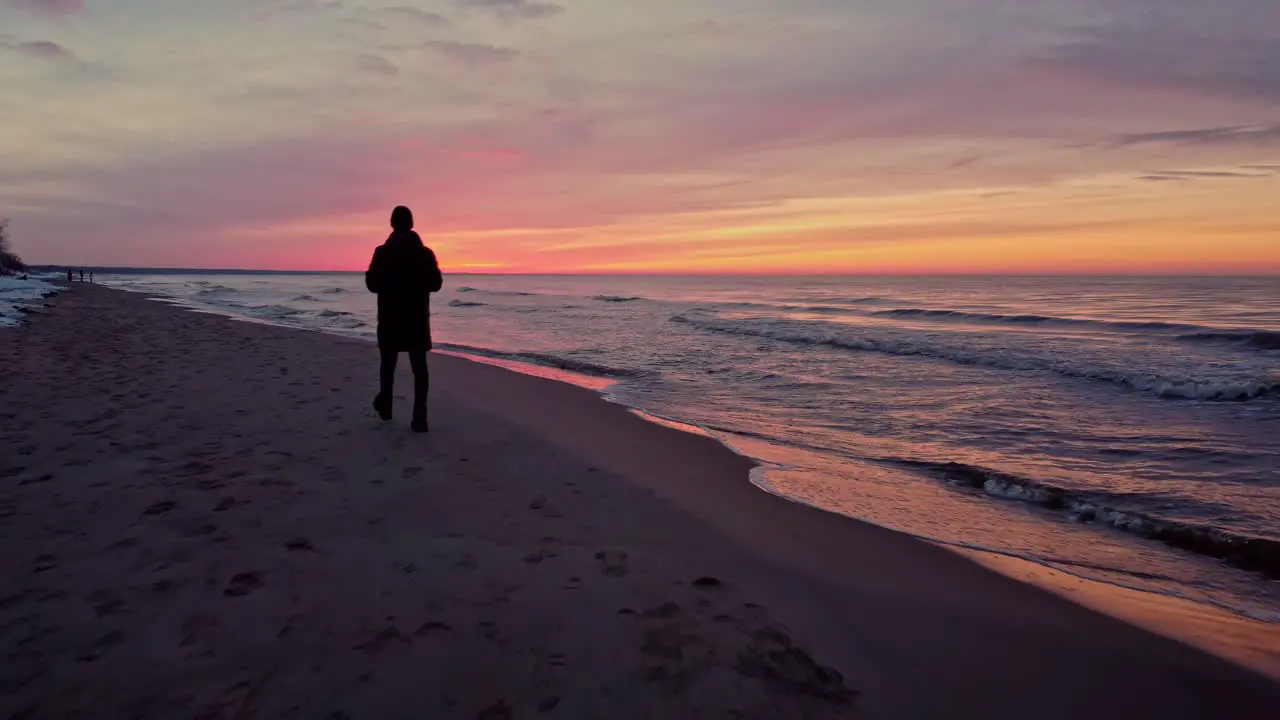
<point x="403" y="273"/>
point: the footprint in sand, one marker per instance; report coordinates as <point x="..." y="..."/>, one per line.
<point x="243" y="584"/>
<point x="539" y="555"/>
<point x="432" y="626"/>
<point x="613" y="563"/>
<point x="772" y="658"/>
<point x="101" y="646"/>
<point x="377" y="642"/>
<point x="105" y="603"/>
<point x="707" y="583"/>
<point x="159" y="508"/>
<point x="497" y="711"/>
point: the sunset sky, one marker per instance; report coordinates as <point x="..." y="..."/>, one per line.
<point x="664" y="135"/>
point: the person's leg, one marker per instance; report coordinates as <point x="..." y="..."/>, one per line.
<point x="386" y="383"/>
<point x="421" y="383"/>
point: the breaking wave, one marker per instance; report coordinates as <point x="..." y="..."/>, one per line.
<point x="961" y="315"/>
<point x="208" y="289"/>
<point x="509" y="293"/>
<point x="615" y="298"/>
<point x="1247" y="553"/>
<point x="821" y="334"/>
<point x="465" y="303"/>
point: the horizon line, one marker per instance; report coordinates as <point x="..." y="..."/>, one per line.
<point x="651" y="273"/>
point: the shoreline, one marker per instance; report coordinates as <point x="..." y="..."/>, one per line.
<point x="1227" y="632"/>
<point x="665" y="508"/>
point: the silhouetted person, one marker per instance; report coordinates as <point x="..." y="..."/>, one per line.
<point x="70" y="278"/>
<point x="90" y="276"/>
<point x="81" y="276"/>
<point x="403" y="273"/>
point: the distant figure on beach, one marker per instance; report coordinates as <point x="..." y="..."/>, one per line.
<point x="403" y="273"/>
<point x="81" y="276"/>
<point x="90" y="276"/>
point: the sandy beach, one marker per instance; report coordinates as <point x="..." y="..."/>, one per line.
<point x="203" y="518"/>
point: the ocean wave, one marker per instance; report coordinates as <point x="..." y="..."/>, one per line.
<point x="615" y="298"/>
<point x="465" y="303"/>
<point x="557" y="361"/>
<point x="961" y="315"/>
<point x="509" y="293"/>
<point x="1227" y="389"/>
<point x="817" y="309"/>
<point x="208" y="289"/>
<point x="1256" y="554"/>
<point x="326" y="313"/>
<point x="335" y="291"/>
<point x="306" y="298"/>
<point x="845" y="301"/>
<point x="1258" y="339"/>
<point x="273" y="311"/>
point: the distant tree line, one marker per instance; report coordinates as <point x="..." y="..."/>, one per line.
<point x="9" y="260"/>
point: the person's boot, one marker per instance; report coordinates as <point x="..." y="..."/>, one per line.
<point x="419" y="424"/>
<point x="382" y="405"/>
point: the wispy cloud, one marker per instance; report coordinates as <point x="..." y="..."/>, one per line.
<point x="1228" y="48"/>
<point x="48" y="8"/>
<point x="514" y="9"/>
<point x="473" y="54"/>
<point x="377" y="64"/>
<point x="41" y="49"/>
<point x="412" y="14"/>
<point x="1188" y="175"/>
<point x="1232" y="135"/>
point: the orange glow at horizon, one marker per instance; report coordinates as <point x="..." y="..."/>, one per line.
<point x="1091" y="228"/>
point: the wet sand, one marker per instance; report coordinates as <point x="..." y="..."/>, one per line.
<point x="203" y="518"/>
